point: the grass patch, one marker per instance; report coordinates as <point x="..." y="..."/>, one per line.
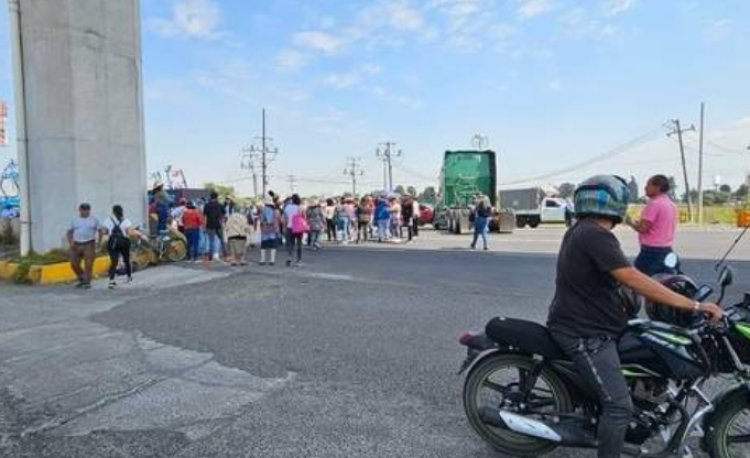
<point x="726" y="215"/>
<point x="50" y="257"/>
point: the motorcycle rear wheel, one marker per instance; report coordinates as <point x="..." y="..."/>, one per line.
<point x="548" y="384"/>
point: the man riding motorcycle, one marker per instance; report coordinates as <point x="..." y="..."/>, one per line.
<point x="586" y="315"/>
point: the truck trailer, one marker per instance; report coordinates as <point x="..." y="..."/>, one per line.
<point x="465" y="175"/>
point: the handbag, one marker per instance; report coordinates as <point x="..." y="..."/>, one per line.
<point x="299" y="224"/>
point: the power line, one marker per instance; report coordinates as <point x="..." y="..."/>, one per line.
<point x="292" y="183"/>
<point x="614" y="152"/>
<point x="354" y="170"/>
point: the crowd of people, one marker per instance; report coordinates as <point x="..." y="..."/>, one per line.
<point x="222" y="230"/>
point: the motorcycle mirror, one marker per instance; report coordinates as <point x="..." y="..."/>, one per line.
<point x="671" y="261"/>
<point x="726" y="277"/>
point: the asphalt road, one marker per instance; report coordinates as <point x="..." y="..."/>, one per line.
<point x="352" y="355"/>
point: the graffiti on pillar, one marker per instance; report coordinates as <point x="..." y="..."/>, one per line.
<point x="9" y="185"/>
<point x="3" y="123"/>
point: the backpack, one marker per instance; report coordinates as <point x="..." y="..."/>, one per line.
<point x="118" y="241"/>
<point x="299" y="224"/>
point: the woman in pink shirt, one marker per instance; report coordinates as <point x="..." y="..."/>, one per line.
<point x="656" y="227"/>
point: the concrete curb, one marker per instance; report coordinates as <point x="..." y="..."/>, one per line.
<point x="53" y="273"/>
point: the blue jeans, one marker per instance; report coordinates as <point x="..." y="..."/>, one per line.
<point x="383" y="229"/>
<point x="344" y="228"/>
<point x="650" y="260"/>
<point x="215" y="242"/>
<point x="314" y="238"/>
<point x="481" y="226"/>
<point x="194" y="243"/>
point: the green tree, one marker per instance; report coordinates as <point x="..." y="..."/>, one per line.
<point x="741" y="192"/>
<point x="400" y="190"/>
<point x="411" y="190"/>
<point x="567" y="190"/>
<point x="725" y="188"/>
<point x="429" y="195"/>
<point x="221" y="190"/>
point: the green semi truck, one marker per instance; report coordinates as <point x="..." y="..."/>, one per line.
<point x="465" y="175"/>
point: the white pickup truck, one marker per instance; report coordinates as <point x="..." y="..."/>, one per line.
<point x="533" y="208"/>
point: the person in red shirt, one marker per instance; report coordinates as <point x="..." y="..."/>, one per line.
<point x="192" y="220"/>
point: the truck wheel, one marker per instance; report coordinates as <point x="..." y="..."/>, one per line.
<point x="534" y="223"/>
<point x="520" y="222"/>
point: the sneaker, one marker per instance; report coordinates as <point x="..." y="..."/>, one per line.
<point x="485" y="248"/>
<point x="130" y="280"/>
<point x="243" y="263"/>
<point x="299" y="264"/>
<point x="112" y="285"/>
<point x="86" y="286"/>
<point x="80" y="284"/>
<point x="272" y="264"/>
<point x="262" y="263"/>
<point x="288" y="262"/>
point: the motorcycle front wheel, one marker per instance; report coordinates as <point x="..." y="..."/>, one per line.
<point x="728" y="435"/>
<point x="496" y="382"/>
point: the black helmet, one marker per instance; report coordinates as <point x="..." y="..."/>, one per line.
<point x="681" y="285"/>
<point x="604" y="196"/>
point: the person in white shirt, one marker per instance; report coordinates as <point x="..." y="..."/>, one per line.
<point x="83" y="234"/>
<point x="119" y="229"/>
<point x="292" y="209"/>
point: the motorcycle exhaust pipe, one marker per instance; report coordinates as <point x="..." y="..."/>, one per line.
<point x="518" y="424"/>
<point x="570" y="435"/>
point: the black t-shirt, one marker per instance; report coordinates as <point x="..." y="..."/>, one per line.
<point x="587" y="302"/>
<point x="214" y="213"/>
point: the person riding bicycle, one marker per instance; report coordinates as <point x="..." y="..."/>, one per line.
<point x="586" y="316"/>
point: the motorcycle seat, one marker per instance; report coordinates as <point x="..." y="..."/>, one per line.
<point x="524" y="335"/>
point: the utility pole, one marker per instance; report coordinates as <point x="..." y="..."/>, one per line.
<point x="248" y="161"/>
<point x="266" y="154"/>
<point x="354" y="170"/>
<point x="677" y="130"/>
<point x="292" y="182"/>
<point x="700" y="165"/>
<point x="386" y="153"/>
<point x="480" y="142"/>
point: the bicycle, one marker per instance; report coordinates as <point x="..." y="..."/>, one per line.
<point x="156" y="249"/>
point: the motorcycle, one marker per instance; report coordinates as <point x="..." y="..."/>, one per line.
<point x="522" y="394"/>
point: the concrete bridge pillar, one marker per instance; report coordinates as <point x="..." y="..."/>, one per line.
<point x="80" y="67"/>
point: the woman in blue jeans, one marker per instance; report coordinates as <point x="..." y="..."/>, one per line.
<point x="482" y="213"/>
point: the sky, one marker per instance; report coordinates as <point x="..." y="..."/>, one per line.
<point x="562" y="89"/>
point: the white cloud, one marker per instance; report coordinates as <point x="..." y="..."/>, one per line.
<point x="354" y="77"/>
<point x="291" y="60"/>
<point x="403" y="17"/>
<point x="718" y="30"/>
<point x="617" y="7"/>
<point x="579" y="24"/>
<point x="318" y="41"/>
<point x="532" y="8"/>
<point x="192" y="19"/>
